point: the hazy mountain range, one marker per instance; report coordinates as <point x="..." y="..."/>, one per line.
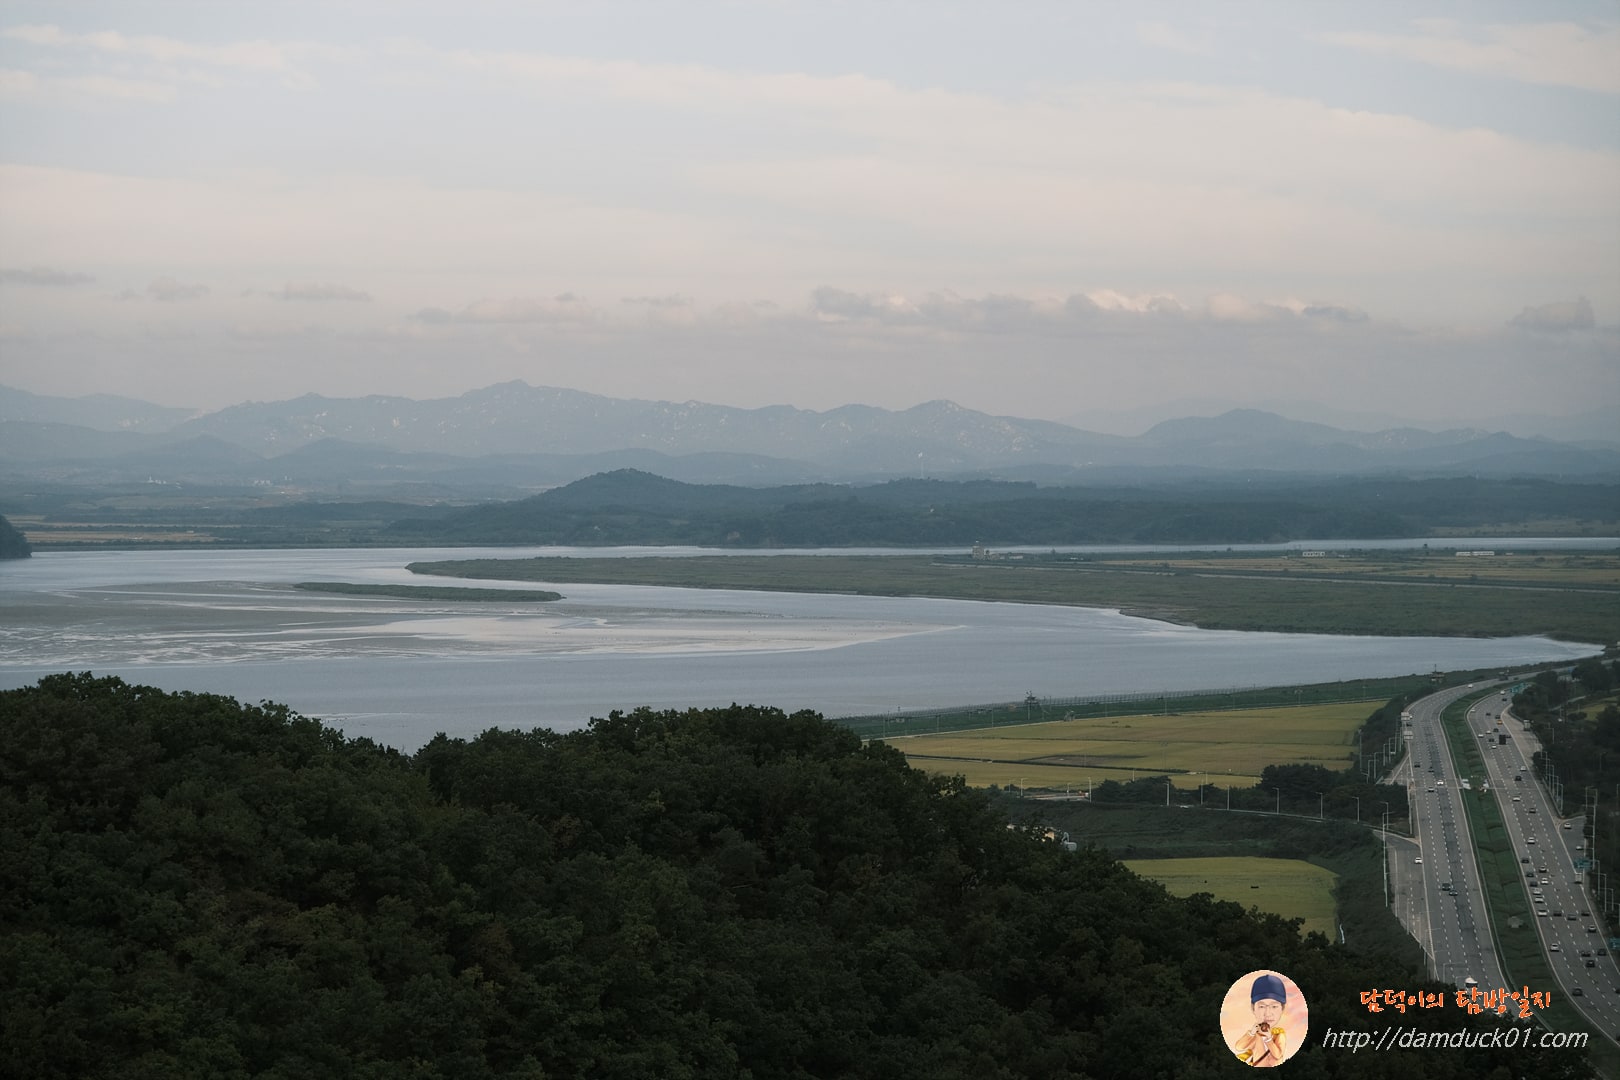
<point x="513" y="437"/>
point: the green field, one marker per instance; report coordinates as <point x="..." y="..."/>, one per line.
<point x="1291" y="888"/>
<point x="1394" y="594"/>
<point x="1222" y="747"/>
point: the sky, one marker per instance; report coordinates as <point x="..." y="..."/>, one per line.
<point x="1038" y="209"/>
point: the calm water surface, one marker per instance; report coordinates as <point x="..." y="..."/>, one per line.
<point x="399" y="670"/>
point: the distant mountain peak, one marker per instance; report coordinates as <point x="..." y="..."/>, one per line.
<point x="853" y="442"/>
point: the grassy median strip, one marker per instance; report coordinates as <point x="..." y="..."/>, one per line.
<point x="432" y="592"/>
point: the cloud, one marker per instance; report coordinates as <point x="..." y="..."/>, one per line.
<point x="671" y="301"/>
<point x="318" y="292"/>
<point x="286" y="59"/>
<point x="168" y="290"/>
<point x="248" y="55"/>
<point x="1165" y="36"/>
<point x="560" y="309"/>
<point x="1110" y="300"/>
<point x="1556" y="318"/>
<point x="1550" y="54"/>
<point x="25" y="85"/>
<point x="1057" y="316"/>
<point x="1334" y="313"/>
<point x="994" y="312"/>
<point x="16" y="85"/>
<point x="44" y="275"/>
<point x="671" y="310"/>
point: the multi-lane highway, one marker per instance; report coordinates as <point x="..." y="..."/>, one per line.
<point x="1450" y="922"/>
<point x="1454" y="925"/>
<point x="1548" y="847"/>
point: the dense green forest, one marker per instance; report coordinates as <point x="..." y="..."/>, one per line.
<point x="631" y="507"/>
<point x="13" y="545"/>
<point x="191" y="887"/>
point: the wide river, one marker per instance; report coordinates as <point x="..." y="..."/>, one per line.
<point x="398" y="671"/>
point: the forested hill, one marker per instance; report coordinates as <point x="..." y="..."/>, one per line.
<point x="196" y="888"/>
<point x="632" y="507"/>
<point x="13" y="545"/>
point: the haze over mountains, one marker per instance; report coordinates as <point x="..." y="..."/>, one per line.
<point x="516" y="437"/>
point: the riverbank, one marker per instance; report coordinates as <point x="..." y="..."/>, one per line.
<point x="1571" y="597"/>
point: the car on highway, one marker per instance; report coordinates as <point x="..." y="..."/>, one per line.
<point x="1554" y="946"/>
<point x="1419" y="859"/>
<point x="1516" y="799"/>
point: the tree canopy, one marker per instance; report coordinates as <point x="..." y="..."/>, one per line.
<point x="192" y="887"/>
<point x="13" y="545"/>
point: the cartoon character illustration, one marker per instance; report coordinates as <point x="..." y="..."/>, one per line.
<point x="1263" y="1045"/>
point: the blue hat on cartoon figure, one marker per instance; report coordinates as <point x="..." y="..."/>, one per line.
<point x="1268" y="986"/>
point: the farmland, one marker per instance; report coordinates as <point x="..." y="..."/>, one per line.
<point x="1228" y="747"/>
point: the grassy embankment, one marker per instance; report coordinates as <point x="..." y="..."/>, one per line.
<point x="1572" y="597"/>
<point x="432" y="592"/>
